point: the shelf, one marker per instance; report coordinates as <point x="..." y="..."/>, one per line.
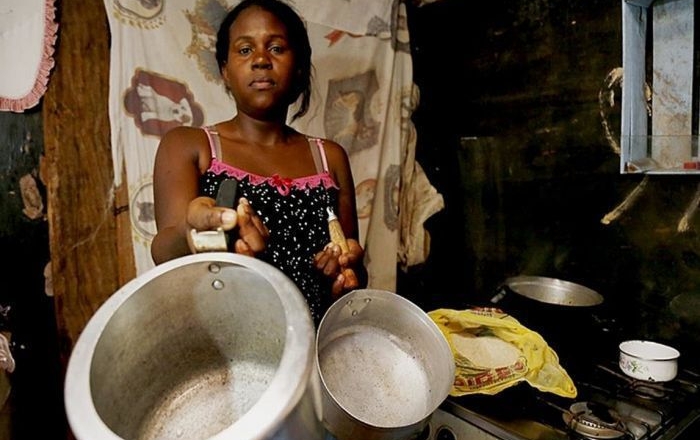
<point x="661" y="154"/>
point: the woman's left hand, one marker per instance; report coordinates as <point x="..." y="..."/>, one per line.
<point x="341" y="267"/>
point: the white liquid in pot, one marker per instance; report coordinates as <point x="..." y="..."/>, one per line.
<point x="375" y="379"/>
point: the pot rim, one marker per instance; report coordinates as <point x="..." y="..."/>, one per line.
<point x="639" y="349"/>
<point x="275" y="403"/>
<point x="521" y="284"/>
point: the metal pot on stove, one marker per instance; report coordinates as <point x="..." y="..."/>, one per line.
<point x="550" y="291"/>
<point x="563" y="312"/>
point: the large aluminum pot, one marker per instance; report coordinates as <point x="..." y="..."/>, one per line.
<point x="207" y="346"/>
<point x="385" y="367"/>
<point x="568" y="315"/>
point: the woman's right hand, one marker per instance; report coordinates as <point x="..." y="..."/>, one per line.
<point x="204" y="215"/>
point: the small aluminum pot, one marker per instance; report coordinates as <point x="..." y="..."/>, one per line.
<point x="384" y="365"/>
<point x="648" y="360"/>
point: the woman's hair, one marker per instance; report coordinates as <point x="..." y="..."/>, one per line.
<point x="298" y="39"/>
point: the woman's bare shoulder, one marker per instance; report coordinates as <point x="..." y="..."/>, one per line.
<point x="184" y="134"/>
<point x="188" y="144"/>
<point x="184" y="139"/>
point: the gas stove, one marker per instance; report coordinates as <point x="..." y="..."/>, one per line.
<point x="609" y="405"/>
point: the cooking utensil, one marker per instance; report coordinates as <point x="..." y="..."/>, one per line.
<point x="212" y="345"/>
<point x="564" y="313"/>
<point x="648" y="360"/>
<point x="550" y="291"/>
<point x="338" y="237"/>
<point x="384" y="367"/>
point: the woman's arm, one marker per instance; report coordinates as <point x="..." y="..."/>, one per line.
<point x="180" y="159"/>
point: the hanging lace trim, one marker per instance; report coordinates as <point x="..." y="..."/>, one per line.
<point x="43" y="70"/>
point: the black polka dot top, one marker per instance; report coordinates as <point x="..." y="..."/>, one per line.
<point x="294" y="211"/>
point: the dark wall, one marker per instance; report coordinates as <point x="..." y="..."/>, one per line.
<point x="26" y="307"/>
<point x="511" y="130"/>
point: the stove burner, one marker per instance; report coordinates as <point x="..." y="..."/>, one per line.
<point x="648" y="391"/>
<point x="642" y="388"/>
<point x="594" y="421"/>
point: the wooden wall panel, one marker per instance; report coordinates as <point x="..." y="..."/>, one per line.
<point x="90" y="244"/>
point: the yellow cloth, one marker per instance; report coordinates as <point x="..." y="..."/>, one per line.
<point x="537" y="363"/>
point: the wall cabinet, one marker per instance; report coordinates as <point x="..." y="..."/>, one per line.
<point x="659" y="125"/>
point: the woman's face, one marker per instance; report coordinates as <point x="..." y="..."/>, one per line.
<point x="260" y="67"/>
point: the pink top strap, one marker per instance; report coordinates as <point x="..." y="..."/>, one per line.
<point x="319" y="155"/>
<point x="214" y="144"/>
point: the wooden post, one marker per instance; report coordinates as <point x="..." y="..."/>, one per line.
<point x="90" y="239"/>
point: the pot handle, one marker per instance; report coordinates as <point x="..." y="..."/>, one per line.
<point x="501" y="292"/>
<point x="605" y="321"/>
<point x="216" y="240"/>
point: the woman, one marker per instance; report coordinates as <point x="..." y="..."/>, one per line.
<point x="287" y="181"/>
